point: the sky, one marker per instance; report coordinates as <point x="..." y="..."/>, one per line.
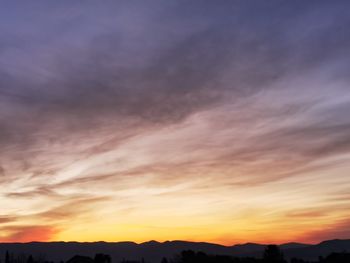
<point x="220" y="121"/>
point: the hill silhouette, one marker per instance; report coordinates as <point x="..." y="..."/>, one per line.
<point x="154" y="251"/>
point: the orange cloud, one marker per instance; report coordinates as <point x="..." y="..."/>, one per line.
<point x="338" y="230"/>
<point x="28" y="233"/>
<point x="7" y="219"/>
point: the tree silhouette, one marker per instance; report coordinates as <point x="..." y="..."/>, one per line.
<point x="337" y="258"/>
<point x="30" y="259"/>
<point x="102" y="258"/>
<point x="188" y="256"/>
<point x="273" y="254"/>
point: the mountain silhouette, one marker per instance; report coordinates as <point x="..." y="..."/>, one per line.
<point x="154" y="251"/>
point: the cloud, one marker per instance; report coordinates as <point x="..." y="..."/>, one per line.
<point x="138" y="102"/>
<point x="2" y="171"/>
<point x="196" y="70"/>
<point x="336" y="230"/>
<point x="75" y="207"/>
<point x="307" y="214"/>
<point x="28" y="233"/>
<point x="40" y="191"/>
<point x="7" y="219"/>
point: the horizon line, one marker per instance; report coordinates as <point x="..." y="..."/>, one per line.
<point x="169" y="241"/>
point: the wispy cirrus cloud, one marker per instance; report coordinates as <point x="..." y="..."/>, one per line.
<point x="126" y="110"/>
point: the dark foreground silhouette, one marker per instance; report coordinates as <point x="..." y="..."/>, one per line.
<point x="271" y="254"/>
<point x="153" y="251"/>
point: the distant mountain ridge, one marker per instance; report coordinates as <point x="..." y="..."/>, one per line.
<point x="153" y="251"/>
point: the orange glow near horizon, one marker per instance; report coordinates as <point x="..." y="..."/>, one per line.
<point x="145" y="198"/>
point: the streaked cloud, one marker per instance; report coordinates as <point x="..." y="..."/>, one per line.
<point x="131" y="118"/>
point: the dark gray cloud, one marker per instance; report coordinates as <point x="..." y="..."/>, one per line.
<point x="229" y="49"/>
<point x="163" y="64"/>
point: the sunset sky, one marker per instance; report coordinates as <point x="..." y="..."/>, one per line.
<point x="220" y="121"/>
